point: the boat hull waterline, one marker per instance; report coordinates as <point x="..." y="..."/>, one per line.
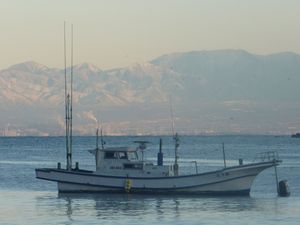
<point x="235" y="180"/>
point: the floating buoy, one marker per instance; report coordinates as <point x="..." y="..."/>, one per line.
<point x="128" y="184"/>
<point x="283" y="188"/>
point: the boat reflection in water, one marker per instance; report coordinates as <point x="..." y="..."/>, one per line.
<point x="153" y="208"/>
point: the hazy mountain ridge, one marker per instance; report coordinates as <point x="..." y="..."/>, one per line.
<point x="207" y="86"/>
<point x="235" y="74"/>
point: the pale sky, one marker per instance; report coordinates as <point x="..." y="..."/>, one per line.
<point x="117" y="33"/>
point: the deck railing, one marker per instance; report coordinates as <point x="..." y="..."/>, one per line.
<point x="266" y="156"/>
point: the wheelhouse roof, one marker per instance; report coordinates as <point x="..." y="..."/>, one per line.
<point x="119" y="149"/>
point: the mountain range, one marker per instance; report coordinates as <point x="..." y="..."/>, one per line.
<point x="211" y="92"/>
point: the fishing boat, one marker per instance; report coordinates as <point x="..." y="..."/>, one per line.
<point x="121" y="169"/>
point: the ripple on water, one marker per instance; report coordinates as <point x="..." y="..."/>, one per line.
<point x="34" y="207"/>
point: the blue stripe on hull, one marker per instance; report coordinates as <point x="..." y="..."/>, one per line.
<point x="151" y="189"/>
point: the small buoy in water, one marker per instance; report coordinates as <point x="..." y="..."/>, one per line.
<point x="283" y="188"/>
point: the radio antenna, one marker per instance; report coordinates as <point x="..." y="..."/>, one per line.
<point x="71" y="100"/>
<point x="176" y="140"/>
<point x="172" y="117"/>
<point x="68" y="101"/>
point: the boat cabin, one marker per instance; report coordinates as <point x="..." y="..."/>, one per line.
<point x="125" y="161"/>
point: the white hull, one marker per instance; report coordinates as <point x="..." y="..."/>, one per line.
<point x="232" y="180"/>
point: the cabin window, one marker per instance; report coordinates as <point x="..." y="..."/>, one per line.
<point x="122" y="155"/>
<point x="110" y="155"/>
<point x="133" y="166"/>
<point x="132" y="156"/>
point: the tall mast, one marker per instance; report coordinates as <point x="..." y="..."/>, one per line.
<point x="97" y="136"/>
<point x="102" y="141"/>
<point x="172" y="117"/>
<point x="71" y="99"/>
<point x="68" y="101"/>
<point x="176" y="140"/>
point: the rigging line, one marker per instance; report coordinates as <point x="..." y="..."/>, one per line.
<point x="66" y="100"/>
<point x="100" y="126"/>
<point x="71" y="100"/>
<point x="176" y="140"/>
<point x="172" y="117"/>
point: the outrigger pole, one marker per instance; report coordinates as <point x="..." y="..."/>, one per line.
<point x="68" y="101"/>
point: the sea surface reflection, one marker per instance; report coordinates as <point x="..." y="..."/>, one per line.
<point x="31" y="207"/>
<point x="149" y="209"/>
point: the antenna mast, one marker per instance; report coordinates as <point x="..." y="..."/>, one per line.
<point x="68" y="101"/>
<point x="102" y="141"/>
<point x="71" y="99"/>
<point x="172" y="117"/>
<point x="176" y="139"/>
<point x="97" y="136"/>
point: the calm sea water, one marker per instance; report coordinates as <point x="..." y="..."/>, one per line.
<point x="26" y="200"/>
